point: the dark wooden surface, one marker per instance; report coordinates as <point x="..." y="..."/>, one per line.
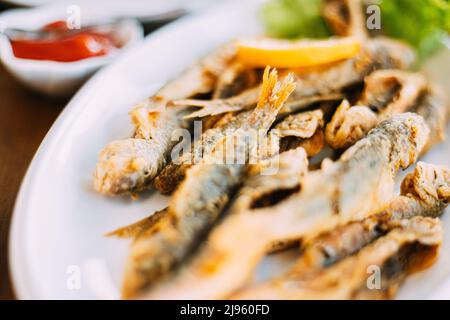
<point x="25" y="118"/>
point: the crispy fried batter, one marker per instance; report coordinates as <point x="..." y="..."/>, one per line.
<point x="348" y="125"/>
<point x="380" y="53"/>
<point x="301" y="125"/>
<point x="434" y="108"/>
<point x="425" y="192"/>
<point x="303" y="130"/>
<point x="138" y="228"/>
<point x="235" y="247"/>
<point x="130" y="165"/>
<point x="386" y="92"/>
<point x="346" y="17"/>
<point x="265" y="181"/>
<point x="234" y="79"/>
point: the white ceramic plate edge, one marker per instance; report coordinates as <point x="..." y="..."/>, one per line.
<point x="23" y="284"/>
<point x="26" y="286"/>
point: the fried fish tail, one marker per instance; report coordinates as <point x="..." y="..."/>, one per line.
<point x="244" y="100"/>
<point x="273" y="96"/>
<point x="130" y="165"/>
<point x="235" y="247"/>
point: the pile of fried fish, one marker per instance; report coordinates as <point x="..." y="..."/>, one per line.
<point x="337" y="135"/>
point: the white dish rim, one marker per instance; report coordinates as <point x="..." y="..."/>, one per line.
<point x="23" y="284"/>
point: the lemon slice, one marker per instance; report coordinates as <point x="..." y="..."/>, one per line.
<point x="296" y="54"/>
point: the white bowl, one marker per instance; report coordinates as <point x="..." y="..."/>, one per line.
<point x="59" y="78"/>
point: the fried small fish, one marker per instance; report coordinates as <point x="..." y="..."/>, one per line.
<point x="130" y="165"/>
<point x="301" y="125"/>
<point x="408" y="247"/>
<point x="202" y="196"/>
<point x="425" y="192"/>
<point x="432" y="105"/>
<point x="386" y="92"/>
<point x="200" y="78"/>
<point x="233" y="80"/>
<point x="349" y="124"/>
<point x="380" y="53"/>
<point x="174" y="173"/>
<point x="133" y="231"/>
<point x="271" y="180"/>
<point x="327" y="198"/>
<point x="303" y="130"/>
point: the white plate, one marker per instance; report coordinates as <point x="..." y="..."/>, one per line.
<point x="143" y="10"/>
<point x="59" y="221"/>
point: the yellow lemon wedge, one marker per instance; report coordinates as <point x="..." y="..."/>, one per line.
<point x="296" y="54"/>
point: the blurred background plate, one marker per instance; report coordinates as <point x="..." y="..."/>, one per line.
<point x="59" y="221"/>
<point x="143" y="10"/>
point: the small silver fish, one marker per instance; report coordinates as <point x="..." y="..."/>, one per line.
<point x="201" y="197"/>
<point x="172" y="175"/>
<point x="345" y="17"/>
<point x="386" y="92"/>
<point x="233" y="80"/>
<point x="175" y="172"/>
<point x="424" y="193"/>
<point x="271" y="180"/>
<point x="409" y="246"/>
<point x="380" y="53"/>
<point x="130" y="165"/>
<point x="302" y="130"/>
<point x="432" y="105"/>
<point x="329" y="197"/>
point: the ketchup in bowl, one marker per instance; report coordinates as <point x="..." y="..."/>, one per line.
<point x="64" y="45"/>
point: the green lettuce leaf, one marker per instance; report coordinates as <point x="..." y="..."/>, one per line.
<point x="422" y="23"/>
<point x="294" y="19"/>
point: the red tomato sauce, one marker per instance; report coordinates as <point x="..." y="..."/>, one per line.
<point x="64" y="46"/>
